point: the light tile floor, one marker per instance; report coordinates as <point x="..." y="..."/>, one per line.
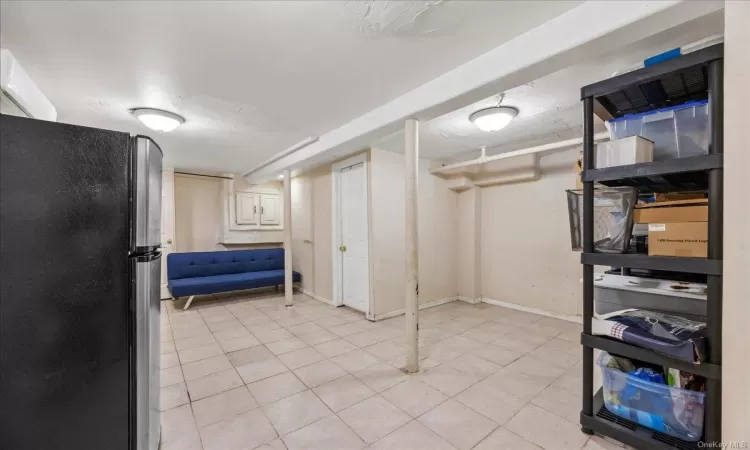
<point x="244" y="373"/>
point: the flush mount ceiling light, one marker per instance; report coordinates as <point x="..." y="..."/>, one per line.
<point x="157" y="119"/>
<point x="493" y="119"/>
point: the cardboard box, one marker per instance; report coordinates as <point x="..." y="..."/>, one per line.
<point x="694" y="210"/>
<point x="686" y="239"/>
<point x="668" y="197"/>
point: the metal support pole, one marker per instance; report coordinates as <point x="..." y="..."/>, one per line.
<point x="411" y="165"/>
<point x="715" y="245"/>
<point x="288" y="292"/>
<point x="588" y="247"/>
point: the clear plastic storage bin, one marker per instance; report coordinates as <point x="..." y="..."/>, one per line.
<point x="677" y="131"/>
<point x="613" y="218"/>
<point x="621" y="152"/>
<point x="670" y="410"/>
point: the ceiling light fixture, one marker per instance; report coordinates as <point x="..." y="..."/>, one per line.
<point x="493" y="119"/>
<point x="157" y="119"/>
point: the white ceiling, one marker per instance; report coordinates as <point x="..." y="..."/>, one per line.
<point x="549" y="108"/>
<point x="251" y="78"/>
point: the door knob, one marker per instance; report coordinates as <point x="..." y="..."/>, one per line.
<point x="342" y="248"/>
<point x="169" y="241"/>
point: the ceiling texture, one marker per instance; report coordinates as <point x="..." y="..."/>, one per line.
<point x="253" y="78"/>
<point x="549" y="108"/>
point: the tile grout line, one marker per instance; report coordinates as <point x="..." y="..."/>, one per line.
<point x="387" y="361"/>
<point x="414" y="419"/>
<point x="509" y="431"/>
<point x="529" y="403"/>
<point x="191" y="401"/>
<point x="244" y="385"/>
<point x="479" y="342"/>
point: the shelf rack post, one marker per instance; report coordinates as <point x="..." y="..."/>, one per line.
<point x="715" y="75"/>
<point x="588" y="247"/>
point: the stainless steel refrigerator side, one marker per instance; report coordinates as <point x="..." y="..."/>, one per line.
<point x="147" y="359"/>
<point x="147" y="195"/>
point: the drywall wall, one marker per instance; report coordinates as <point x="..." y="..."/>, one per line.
<point x="736" y="299"/>
<point x="198" y="215"/>
<point x="388" y="231"/>
<point x="526" y="255"/>
<point x="468" y="245"/>
<point x="240" y="184"/>
<point x="167" y="225"/>
<point x="437" y="234"/>
<point x="311" y="231"/>
<point x="302" y="230"/>
<point x="322" y="234"/>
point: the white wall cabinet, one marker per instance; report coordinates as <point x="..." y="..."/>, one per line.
<point x="261" y="210"/>
<point x="270" y="209"/>
<point x="252" y="208"/>
<point x="251" y="214"/>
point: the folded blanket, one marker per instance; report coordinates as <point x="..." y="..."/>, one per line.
<point x="673" y="336"/>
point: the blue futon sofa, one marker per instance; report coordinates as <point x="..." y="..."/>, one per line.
<point x="200" y="273"/>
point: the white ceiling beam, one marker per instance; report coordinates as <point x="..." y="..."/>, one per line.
<point x="582" y="33"/>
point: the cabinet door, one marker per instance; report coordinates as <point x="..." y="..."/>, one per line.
<point x="247" y="208"/>
<point x="270" y="209"/>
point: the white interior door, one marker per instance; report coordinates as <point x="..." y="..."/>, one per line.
<point x="355" y="279"/>
<point x="167" y="225"/>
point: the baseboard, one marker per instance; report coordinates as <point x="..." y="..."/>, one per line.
<point x="541" y="312"/>
<point x="165" y="294"/>
<point x="472" y="300"/>
<point x="400" y="312"/>
<point x="435" y="303"/>
<point x="316" y="296"/>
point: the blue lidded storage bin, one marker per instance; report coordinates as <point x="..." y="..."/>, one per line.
<point x="676" y="131"/>
<point x="670" y="410"/>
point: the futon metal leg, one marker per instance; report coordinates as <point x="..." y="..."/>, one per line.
<point x="276" y="288"/>
<point x="187" y="305"/>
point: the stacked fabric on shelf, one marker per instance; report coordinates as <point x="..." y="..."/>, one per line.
<point x="670" y="335"/>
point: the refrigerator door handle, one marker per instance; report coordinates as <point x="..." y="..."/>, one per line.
<point x="147" y="163"/>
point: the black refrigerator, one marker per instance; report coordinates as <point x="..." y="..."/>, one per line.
<point x="80" y="270"/>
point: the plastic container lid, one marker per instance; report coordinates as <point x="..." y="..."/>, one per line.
<point x="690" y="104"/>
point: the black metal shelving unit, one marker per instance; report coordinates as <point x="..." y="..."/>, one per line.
<point x="696" y="76"/>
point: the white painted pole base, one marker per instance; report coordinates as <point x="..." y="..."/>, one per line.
<point x="411" y="166"/>
<point x="288" y="279"/>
